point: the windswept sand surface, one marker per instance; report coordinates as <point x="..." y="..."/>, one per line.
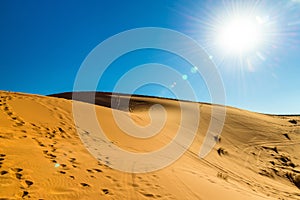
<point x="42" y="156"/>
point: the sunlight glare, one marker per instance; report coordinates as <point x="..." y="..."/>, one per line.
<point x="239" y="35"/>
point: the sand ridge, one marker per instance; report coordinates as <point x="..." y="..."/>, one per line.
<point x="42" y="156"/>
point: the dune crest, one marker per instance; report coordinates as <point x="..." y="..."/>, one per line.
<point x="43" y="157"/>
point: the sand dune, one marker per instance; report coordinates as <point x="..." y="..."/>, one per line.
<point x="43" y="157"/>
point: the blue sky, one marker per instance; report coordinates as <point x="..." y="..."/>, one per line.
<point x="43" y="44"/>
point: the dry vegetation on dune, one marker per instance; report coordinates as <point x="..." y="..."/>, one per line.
<point x="42" y="156"/>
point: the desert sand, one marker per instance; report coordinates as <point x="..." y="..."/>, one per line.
<point x="43" y="157"/>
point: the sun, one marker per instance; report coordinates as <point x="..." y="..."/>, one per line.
<point x="242" y="36"/>
<point x="239" y="35"/>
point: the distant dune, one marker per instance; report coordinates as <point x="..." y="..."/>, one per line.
<point x="105" y="98"/>
<point x="43" y="157"/>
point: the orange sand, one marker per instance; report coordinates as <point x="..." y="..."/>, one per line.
<point x="42" y="156"/>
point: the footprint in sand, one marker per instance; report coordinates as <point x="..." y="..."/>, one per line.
<point x="61" y="130"/>
<point x="29" y="183"/>
<point x="19" y="176"/>
<point x="63" y="165"/>
<point x="85" y="184"/>
<point x="271" y="148"/>
<point x="222" y="151"/>
<point x="148" y="195"/>
<point x="62" y="172"/>
<point x="18" y="121"/>
<point x="74" y="166"/>
<point x="51" y="155"/>
<point x="17" y="170"/>
<point x="105" y="191"/>
<point x="292" y="121"/>
<point x="74" y="162"/>
<point x="3" y="172"/>
<point x="287" y="136"/>
<point x="2" y="158"/>
<point x="97" y="170"/>
<point x="25" y="193"/>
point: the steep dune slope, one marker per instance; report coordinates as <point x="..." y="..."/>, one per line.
<point x="42" y="155"/>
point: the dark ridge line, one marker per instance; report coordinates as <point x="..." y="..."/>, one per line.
<point x="131" y="95"/>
